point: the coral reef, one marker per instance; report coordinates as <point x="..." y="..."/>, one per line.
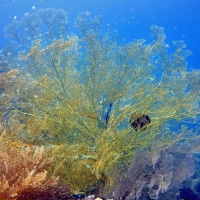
<point x="79" y="92"/>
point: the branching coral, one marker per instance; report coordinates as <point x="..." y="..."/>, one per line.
<point x="23" y="170"/>
<point x="84" y="89"/>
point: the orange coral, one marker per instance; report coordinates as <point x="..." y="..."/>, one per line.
<point x="24" y="171"/>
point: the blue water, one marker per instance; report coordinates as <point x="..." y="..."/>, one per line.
<point x="130" y="18"/>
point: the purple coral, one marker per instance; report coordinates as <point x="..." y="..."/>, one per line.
<point x="153" y="173"/>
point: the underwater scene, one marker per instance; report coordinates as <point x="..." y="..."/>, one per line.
<point x="99" y="99"/>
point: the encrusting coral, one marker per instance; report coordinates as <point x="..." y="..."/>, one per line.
<point x="80" y="92"/>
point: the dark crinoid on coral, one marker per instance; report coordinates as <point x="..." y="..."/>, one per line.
<point x="139" y="121"/>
